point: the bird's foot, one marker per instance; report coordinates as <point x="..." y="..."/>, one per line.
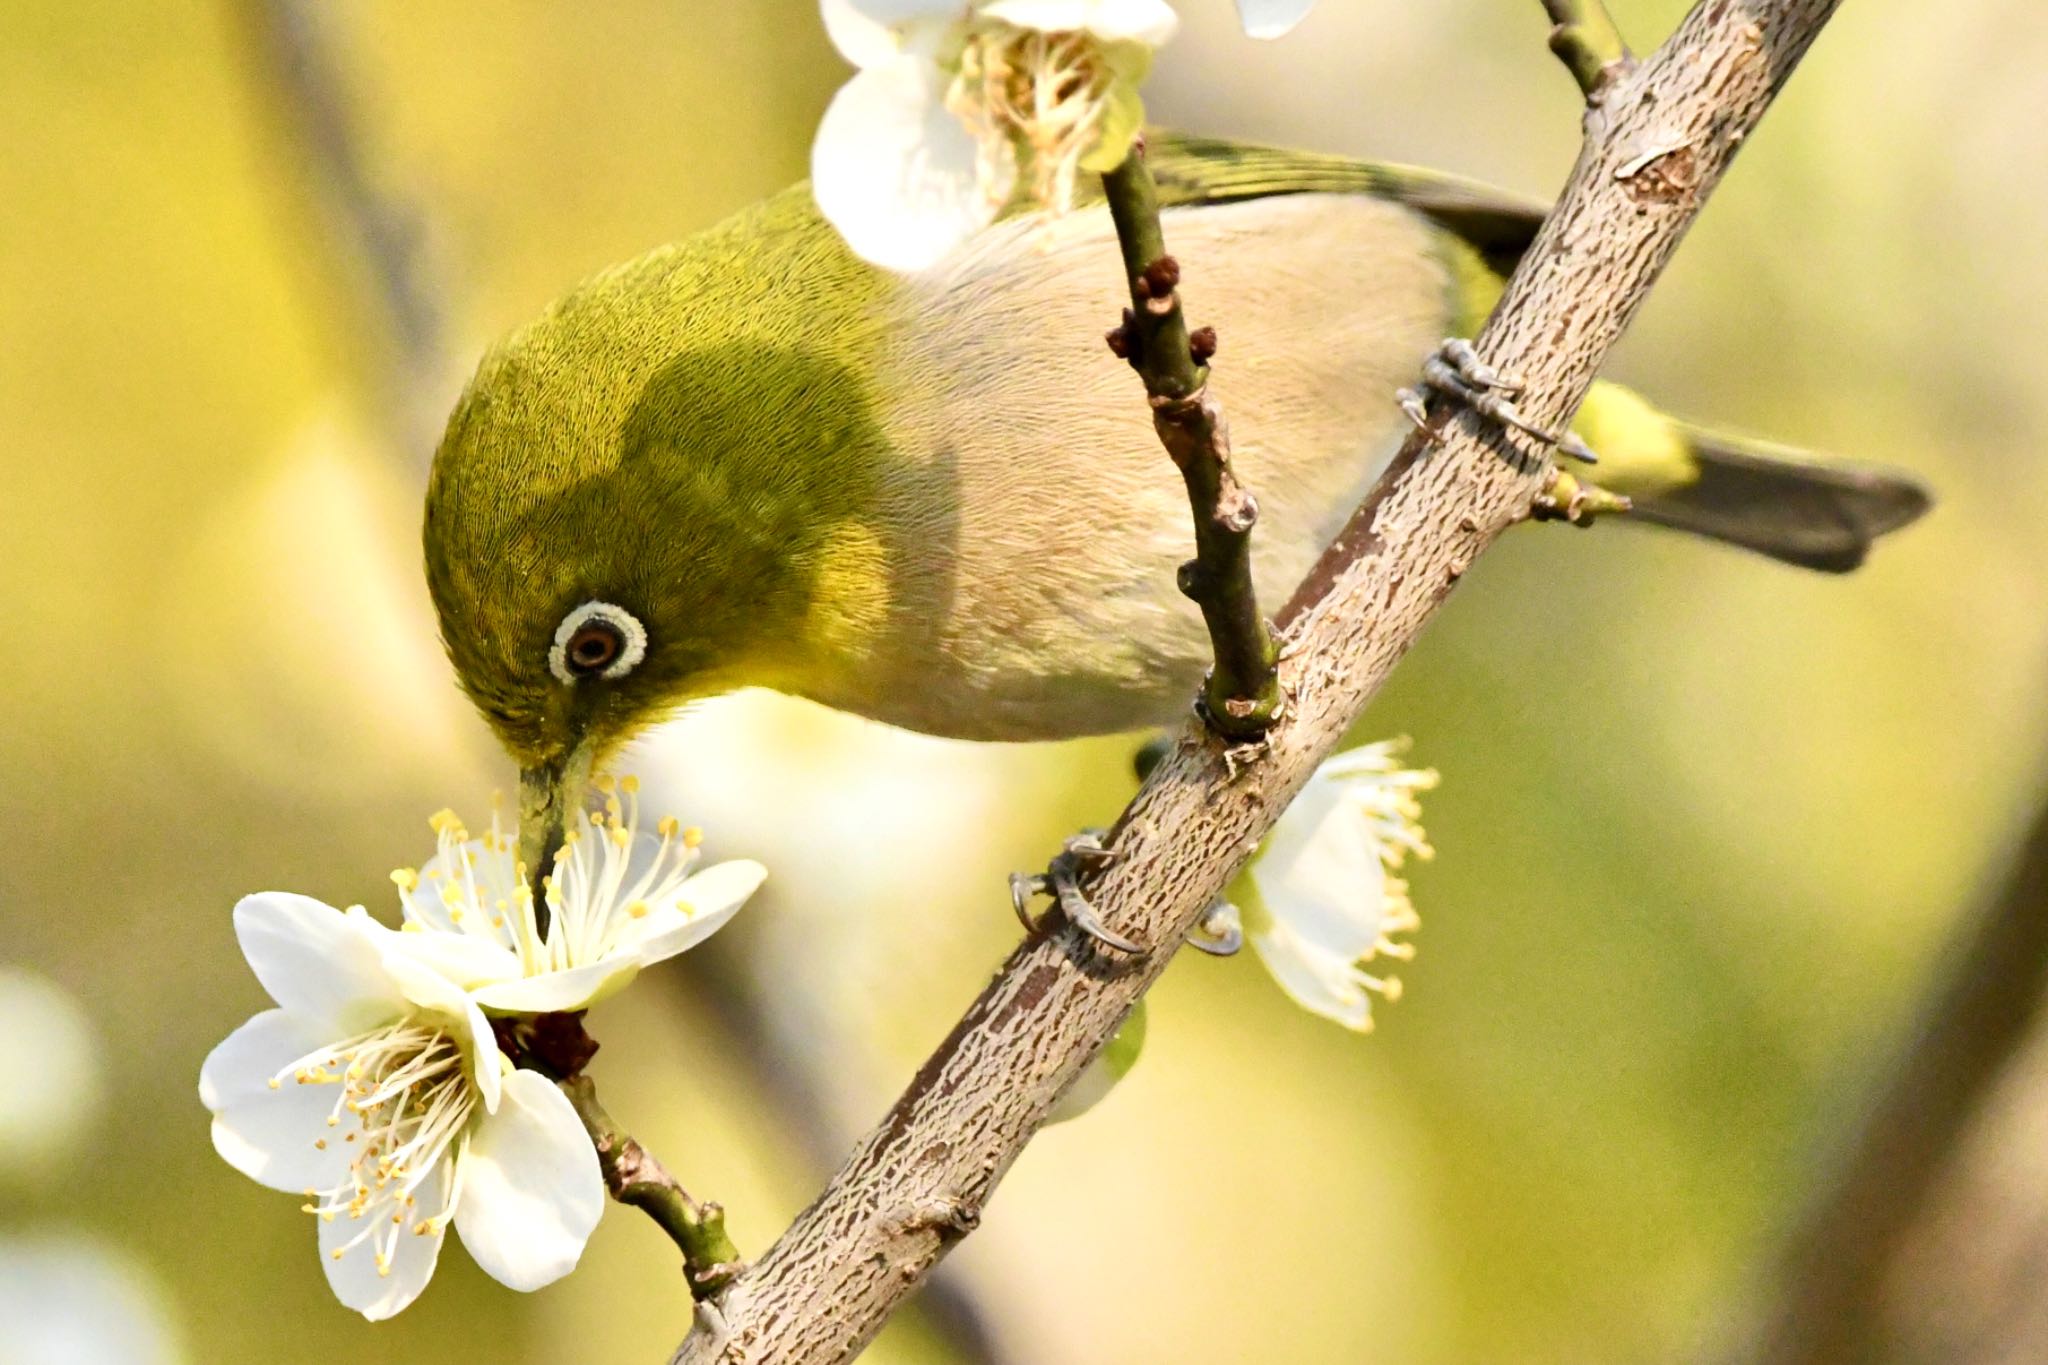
<point x="1221" y="932"/>
<point x="1566" y="497"/>
<point x="1455" y="371"/>
<point x="1082" y="854"/>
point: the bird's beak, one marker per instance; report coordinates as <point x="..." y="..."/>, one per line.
<point x="550" y="794"/>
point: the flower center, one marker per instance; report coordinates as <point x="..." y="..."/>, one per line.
<point x="403" y="1098"/>
<point x="1046" y="92"/>
<point x="596" y="891"/>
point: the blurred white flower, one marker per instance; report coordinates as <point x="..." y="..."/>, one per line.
<point x="66" y="1299"/>
<point x="1322" y="897"/>
<point x="1272" y="18"/>
<point x="55" y="1080"/>
<point x="376" y="1090"/>
<point x="924" y="146"/>
<point x="618" y="900"/>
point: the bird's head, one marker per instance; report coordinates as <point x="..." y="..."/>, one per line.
<point x="641" y="501"/>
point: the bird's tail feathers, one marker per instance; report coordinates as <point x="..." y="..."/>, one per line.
<point x="1781" y="503"/>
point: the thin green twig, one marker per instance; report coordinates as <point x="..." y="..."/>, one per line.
<point x="1585" y="39"/>
<point x="1242" y="697"/>
<point x="634" y="1177"/>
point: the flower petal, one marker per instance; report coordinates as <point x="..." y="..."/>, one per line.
<point x="573" y="988"/>
<point x="463" y="960"/>
<point x="531" y="1188"/>
<point x="269" y="1134"/>
<point x="1320" y="982"/>
<point x="1272" y="18"/>
<point x="354" y="1276"/>
<point x="1151" y="22"/>
<point x="315" y="962"/>
<point x="895" y="172"/>
<point x="1320" y="872"/>
<point x="871" y="31"/>
<point x="713" y="897"/>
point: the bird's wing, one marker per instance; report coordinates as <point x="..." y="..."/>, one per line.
<point x="1198" y="170"/>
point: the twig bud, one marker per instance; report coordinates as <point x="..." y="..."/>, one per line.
<point x="1202" y="344"/>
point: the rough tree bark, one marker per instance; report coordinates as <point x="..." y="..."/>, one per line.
<point x="1658" y="140"/>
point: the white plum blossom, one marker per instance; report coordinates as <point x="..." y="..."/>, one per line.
<point x="1272" y="18"/>
<point x="1322" y="896"/>
<point x="376" y="1091"/>
<point x="618" y="899"/>
<point x="956" y="99"/>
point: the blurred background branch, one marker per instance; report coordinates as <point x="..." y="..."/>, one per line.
<point x="1841" y="1294"/>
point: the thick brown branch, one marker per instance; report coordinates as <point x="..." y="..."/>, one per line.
<point x="916" y="1184"/>
<point x="635" y="1178"/>
<point x="1242" y="697"/>
<point x="1585" y="39"/>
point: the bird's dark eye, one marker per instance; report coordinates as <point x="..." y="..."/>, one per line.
<point x="593" y="647"/>
<point x="597" y="640"/>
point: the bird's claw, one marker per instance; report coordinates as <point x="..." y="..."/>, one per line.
<point x="1456" y="372"/>
<point x="1221" y="932"/>
<point x="1081" y="854"/>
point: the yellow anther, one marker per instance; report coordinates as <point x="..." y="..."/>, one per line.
<point x="689" y="910"/>
<point x="620" y="838"/>
<point x="406" y="878"/>
<point x="629" y="784"/>
<point x="604" y="783"/>
<point x="445" y="821"/>
<point x="412" y="926"/>
<point x="276" y="1084"/>
<point x="692" y="837"/>
<point x="320" y="1144"/>
<point x="638" y="909"/>
<point x="668" y="827"/>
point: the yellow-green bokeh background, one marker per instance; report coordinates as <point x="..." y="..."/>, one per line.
<point x="1703" y="825"/>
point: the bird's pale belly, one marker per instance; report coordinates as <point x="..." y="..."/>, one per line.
<point x="1036" y="521"/>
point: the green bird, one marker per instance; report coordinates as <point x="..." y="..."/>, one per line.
<point x="750" y="459"/>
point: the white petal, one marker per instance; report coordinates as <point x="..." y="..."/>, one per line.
<point x="316" y="962"/>
<point x="574" y="988"/>
<point x="463" y="960"/>
<point x="353" y="1276"/>
<point x="267" y="1134"/>
<point x="531" y="1188"/>
<point x="1272" y="18"/>
<point x="1150" y="22"/>
<point x="1318" y="981"/>
<point x="713" y="895"/>
<point x="1320" y="872"/>
<point x="895" y="172"/>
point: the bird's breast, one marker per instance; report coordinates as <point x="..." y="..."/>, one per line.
<point x="1031" y="521"/>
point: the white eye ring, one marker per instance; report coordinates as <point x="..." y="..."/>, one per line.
<point x="632" y="637"/>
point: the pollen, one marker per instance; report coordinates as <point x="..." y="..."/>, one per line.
<point x="638" y="909"/>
